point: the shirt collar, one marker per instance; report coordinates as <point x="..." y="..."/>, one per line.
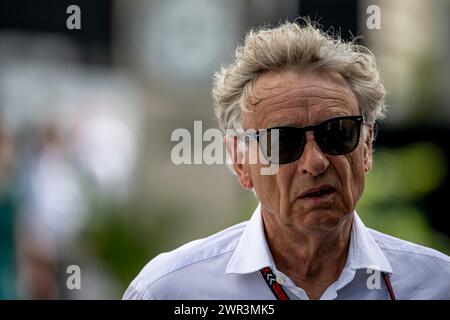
<point x="252" y="252"/>
<point x="364" y="252"/>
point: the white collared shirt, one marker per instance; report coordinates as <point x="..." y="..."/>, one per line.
<point x="226" y="266"/>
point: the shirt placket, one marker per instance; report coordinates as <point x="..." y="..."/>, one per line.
<point x="289" y="286"/>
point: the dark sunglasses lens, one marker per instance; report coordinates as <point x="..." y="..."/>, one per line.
<point x="338" y="136"/>
<point x="282" y="145"/>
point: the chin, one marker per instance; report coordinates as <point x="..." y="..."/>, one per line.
<point x="321" y="220"/>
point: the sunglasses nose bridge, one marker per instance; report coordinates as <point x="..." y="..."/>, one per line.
<point x="310" y="137"/>
<point x="310" y="134"/>
<point x="313" y="160"/>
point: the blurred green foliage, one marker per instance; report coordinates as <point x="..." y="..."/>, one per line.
<point x="124" y="238"/>
<point x="396" y="186"/>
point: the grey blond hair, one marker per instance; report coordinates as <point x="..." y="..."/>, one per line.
<point x="302" y="48"/>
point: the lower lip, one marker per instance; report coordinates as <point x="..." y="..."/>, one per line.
<point x="318" y="200"/>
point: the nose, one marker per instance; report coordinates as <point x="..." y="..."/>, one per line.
<point x="313" y="161"/>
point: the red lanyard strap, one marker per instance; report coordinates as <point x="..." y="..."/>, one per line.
<point x="274" y="286"/>
<point x="387" y="282"/>
<point x="280" y="294"/>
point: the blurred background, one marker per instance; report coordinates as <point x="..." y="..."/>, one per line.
<point x="86" y="117"/>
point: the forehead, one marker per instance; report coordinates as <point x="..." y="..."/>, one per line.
<point x="293" y="98"/>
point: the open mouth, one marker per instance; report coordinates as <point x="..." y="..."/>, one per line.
<point x="318" y="192"/>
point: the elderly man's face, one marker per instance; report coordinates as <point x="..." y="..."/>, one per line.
<point x="288" y="98"/>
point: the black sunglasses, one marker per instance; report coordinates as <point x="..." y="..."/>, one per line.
<point x="336" y="136"/>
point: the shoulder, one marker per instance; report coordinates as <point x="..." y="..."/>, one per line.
<point x="398" y="246"/>
<point x="178" y="263"/>
<point x="416" y="266"/>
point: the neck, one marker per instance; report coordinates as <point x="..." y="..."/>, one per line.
<point x="312" y="260"/>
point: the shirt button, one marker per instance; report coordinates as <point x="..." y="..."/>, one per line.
<point x="280" y="280"/>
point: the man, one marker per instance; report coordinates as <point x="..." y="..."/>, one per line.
<point x="321" y="97"/>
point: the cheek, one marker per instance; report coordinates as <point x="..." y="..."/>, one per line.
<point x="265" y="185"/>
<point x="354" y="175"/>
<point x="273" y="190"/>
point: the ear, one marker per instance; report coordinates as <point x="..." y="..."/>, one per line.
<point x="368" y="150"/>
<point x="237" y="157"/>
